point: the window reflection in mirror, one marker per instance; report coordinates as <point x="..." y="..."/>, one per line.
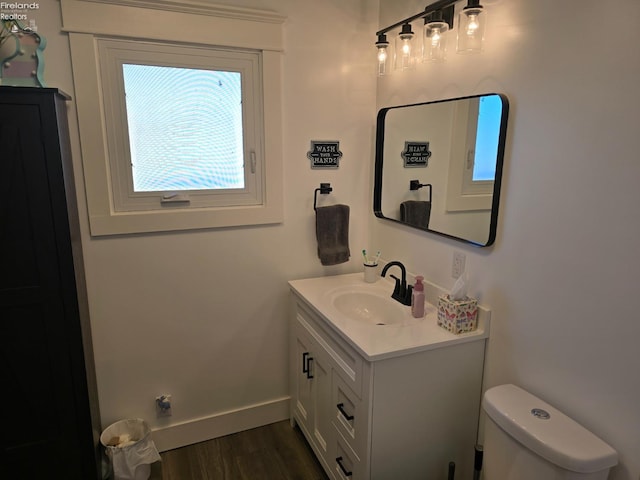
<point x="488" y="132"/>
<point x="465" y="138"/>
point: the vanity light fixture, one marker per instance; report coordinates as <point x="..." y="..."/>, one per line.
<point x="471" y="25"/>
<point x="438" y="20"/>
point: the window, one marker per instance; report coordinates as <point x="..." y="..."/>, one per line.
<point x="487" y="136"/>
<point x="186" y="126"/>
<point x="472" y="168"/>
<point x="180" y="128"/>
<point x="482" y="145"/>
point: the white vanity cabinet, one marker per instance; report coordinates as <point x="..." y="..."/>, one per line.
<point x="402" y="415"/>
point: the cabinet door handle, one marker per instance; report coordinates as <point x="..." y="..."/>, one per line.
<point x="306" y="364"/>
<point x="346" y="472"/>
<point x="309" y="360"/>
<point x="344" y="414"/>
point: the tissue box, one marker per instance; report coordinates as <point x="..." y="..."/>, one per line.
<point x="457" y="316"/>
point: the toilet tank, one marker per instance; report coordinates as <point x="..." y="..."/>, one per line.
<point x="527" y="439"/>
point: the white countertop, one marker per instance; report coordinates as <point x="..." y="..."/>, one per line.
<point x="376" y="342"/>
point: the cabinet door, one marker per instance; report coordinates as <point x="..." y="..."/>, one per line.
<point x="322" y="403"/>
<point x="39" y="327"/>
<point x="303" y="385"/>
<point x="312" y="391"/>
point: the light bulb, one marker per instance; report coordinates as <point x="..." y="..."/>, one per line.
<point x="435" y="37"/>
<point x="406" y="47"/>
<point x="382" y="55"/>
<point x="472" y="26"/>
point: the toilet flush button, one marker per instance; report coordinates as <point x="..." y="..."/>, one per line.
<point x="540" y="413"/>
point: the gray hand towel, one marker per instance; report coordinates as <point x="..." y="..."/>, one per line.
<point x="332" y="232"/>
<point x="416" y="213"/>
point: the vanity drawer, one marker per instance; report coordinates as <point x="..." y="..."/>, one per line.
<point x="346" y="464"/>
<point x="350" y="416"/>
<point x="346" y="361"/>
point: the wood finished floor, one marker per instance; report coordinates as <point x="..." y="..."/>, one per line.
<point x="274" y="451"/>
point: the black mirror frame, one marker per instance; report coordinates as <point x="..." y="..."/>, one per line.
<point x="379" y="161"/>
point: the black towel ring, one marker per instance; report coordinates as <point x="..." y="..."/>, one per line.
<point x="416" y="185"/>
<point x="325" y="189"/>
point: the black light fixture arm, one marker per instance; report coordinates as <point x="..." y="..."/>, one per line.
<point x="435" y="6"/>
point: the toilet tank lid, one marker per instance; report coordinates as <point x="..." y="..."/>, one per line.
<point x="558" y="439"/>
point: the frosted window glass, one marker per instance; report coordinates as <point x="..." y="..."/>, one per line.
<point x="185" y="128"/>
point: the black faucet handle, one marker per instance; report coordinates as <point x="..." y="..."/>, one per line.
<point x="408" y="294"/>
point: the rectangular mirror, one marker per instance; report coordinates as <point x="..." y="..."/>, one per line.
<point x="438" y="166"/>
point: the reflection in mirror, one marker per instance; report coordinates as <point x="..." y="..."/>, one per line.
<point x="439" y="166"/>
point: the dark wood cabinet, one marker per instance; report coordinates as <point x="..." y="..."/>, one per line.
<point x="50" y="425"/>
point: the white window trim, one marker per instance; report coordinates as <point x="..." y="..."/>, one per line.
<point x="88" y="20"/>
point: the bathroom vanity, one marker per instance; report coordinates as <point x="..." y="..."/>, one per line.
<point x="377" y="393"/>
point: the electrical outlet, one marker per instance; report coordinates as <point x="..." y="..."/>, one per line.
<point x="163" y="406"/>
<point x="457" y="266"/>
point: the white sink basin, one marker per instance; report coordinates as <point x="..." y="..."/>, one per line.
<point x="368" y="304"/>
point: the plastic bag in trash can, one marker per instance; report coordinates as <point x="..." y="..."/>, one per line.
<point x="130" y="448"/>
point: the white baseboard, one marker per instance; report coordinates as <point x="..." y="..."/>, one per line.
<point x="225" y="423"/>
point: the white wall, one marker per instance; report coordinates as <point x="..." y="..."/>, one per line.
<point x="562" y="277"/>
<point x="202" y="315"/>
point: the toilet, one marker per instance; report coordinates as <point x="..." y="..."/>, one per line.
<point x="527" y="439"/>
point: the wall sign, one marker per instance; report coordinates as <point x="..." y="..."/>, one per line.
<point x="416" y="154"/>
<point x="324" y="154"/>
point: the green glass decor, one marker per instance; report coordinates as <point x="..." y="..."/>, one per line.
<point x="21" y="55"/>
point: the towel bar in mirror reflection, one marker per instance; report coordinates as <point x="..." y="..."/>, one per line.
<point x="464" y="141"/>
<point x="416" y="185"/>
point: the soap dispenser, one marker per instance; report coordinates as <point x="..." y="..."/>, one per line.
<point x="417" y="298"/>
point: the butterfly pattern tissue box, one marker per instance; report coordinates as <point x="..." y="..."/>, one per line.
<point x="457" y="316"/>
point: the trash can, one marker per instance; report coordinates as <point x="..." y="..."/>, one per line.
<point x="130" y="449"/>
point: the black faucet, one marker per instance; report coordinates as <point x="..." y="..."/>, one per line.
<point x="401" y="292"/>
